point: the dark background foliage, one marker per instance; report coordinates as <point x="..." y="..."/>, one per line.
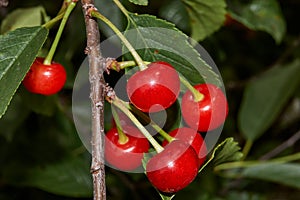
<point x="42" y="157"/>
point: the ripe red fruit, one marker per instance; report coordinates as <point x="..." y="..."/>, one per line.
<point x="45" y="79"/>
<point x="125" y="156"/>
<point x="174" y="168"/>
<point x="191" y="137"/>
<point x="207" y="114"/>
<point x="155" y="88"/>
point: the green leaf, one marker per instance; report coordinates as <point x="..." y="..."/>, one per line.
<point x="18" y="50"/>
<point x="117" y="18"/>
<point x="45" y="105"/>
<point x="24" y="17"/>
<point x="164" y="197"/>
<point x="206" y="17"/>
<point x="156" y="39"/>
<point x="13" y="116"/>
<point x="261" y="15"/>
<point x="40" y="156"/>
<point x="229" y="152"/>
<point x="245" y="195"/>
<point x="147" y="157"/>
<point x="70" y="177"/>
<point x="226" y="151"/>
<point x="140" y="2"/>
<point x="286" y="174"/>
<point x="174" y="11"/>
<point x="265" y="97"/>
<point x="230" y="195"/>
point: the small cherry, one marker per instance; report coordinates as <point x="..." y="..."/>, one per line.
<point x="208" y="113"/>
<point x="45" y="79"/>
<point x="154" y="88"/>
<point x="191" y="137"/>
<point x="125" y="155"/>
<point x="174" y="168"/>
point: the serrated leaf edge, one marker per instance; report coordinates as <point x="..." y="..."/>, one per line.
<point x="5" y="109"/>
<point x="140" y="4"/>
<point x="173" y="27"/>
<point x="222" y="144"/>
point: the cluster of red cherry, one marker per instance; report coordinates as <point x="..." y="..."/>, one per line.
<point x="151" y="90"/>
<point x="154" y="89"/>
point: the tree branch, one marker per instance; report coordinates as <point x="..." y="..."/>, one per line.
<point x="97" y="86"/>
<point x="288" y="143"/>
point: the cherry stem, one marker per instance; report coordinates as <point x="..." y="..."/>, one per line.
<point x="144" y="117"/>
<point x="119" y="104"/>
<point x="115" y="65"/>
<point x="121" y="7"/>
<point x="53" y="21"/>
<point x="64" y="6"/>
<point x="247" y="148"/>
<point x="136" y="56"/>
<point x="125" y="64"/>
<point x="198" y="96"/>
<point x="123" y="139"/>
<point x="52" y="50"/>
<point x="59" y="15"/>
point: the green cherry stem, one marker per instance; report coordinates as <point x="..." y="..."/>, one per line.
<point x="122" y="136"/>
<point x="136" y="56"/>
<point x="52" y="50"/>
<point x="64" y="6"/>
<point x="53" y="21"/>
<point x="59" y="15"/>
<point x="247" y="148"/>
<point x="125" y="64"/>
<point x="121" y="7"/>
<point x="118" y="103"/>
<point x="197" y="95"/>
<point x="115" y="65"/>
<point x="152" y="123"/>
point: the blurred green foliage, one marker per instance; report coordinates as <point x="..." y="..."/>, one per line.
<point x="256" y="51"/>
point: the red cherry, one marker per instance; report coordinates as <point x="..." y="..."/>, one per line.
<point x="174" y="168"/>
<point x="191" y="137"/>
<point x="207" y="114"/>
<point x="45" y="79"/>
<point x="125" y="156"/>
<point x="155" y="88"/>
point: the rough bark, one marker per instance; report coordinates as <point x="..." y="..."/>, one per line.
<point x="97" y="93"/>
